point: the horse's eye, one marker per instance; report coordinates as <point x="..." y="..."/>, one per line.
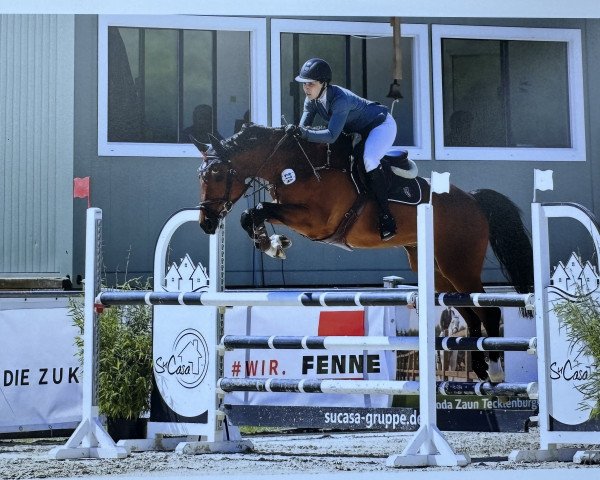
<point x="217" y="176"/>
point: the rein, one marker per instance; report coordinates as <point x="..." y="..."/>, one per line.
<point x="314" y="169"/>
<point x="308" y="159"/>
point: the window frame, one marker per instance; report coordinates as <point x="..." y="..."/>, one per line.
<point x="572" y="37"/>
<point x="257" y="29"/>
<point x="420" y="56"/>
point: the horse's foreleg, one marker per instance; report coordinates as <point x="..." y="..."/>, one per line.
<point x="253" y="222"/>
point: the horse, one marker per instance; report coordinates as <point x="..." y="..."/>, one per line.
<point x="315" y="194"/>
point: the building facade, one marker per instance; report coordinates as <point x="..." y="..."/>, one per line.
<point x="488" y="100"/>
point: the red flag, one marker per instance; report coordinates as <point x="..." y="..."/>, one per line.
<point x="81" y="188"/>
<point x="342" y="322"/>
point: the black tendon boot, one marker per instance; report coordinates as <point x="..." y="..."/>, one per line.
<point x="379" y="187"/>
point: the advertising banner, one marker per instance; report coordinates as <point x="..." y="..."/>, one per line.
<point x="40" y="383"/>
<point x="298" y="364"/>
<point x="185" y="367"/>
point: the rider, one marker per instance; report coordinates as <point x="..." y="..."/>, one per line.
<point x="344" y="110"/>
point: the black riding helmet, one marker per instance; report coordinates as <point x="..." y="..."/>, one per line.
<point x="315" y="70"/>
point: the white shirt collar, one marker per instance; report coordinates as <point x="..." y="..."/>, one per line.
<point x="323" y="98"/>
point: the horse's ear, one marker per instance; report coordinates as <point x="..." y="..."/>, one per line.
<point x="203" y="147"/>
<point x="217" y="146"/>
<point x="213" y="140"/>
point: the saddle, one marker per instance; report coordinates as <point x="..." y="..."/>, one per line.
<point x="403" y="184"/>
<point x="403" y="187"/>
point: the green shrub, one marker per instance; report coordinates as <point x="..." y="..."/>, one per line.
<point x="125" y="355"/>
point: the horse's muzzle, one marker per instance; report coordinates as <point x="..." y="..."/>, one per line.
<point x="209" y="226"/>
<point x="207" y="223"/>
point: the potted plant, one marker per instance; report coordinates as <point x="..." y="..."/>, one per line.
<point x="582" y="318"/>
<point x="124" y="365"/>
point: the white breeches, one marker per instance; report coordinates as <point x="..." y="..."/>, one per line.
<point x="379" y="142"/>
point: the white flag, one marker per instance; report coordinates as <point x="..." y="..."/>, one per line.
<point x="542" y="180"/>
<point x="440" y="182"/>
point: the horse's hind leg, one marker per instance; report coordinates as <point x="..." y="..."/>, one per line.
<point x="489" y="317"/>
<point x="443" y="284"/>
<point x="473" y="319"/>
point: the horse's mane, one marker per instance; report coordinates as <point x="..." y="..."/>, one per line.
<point x="247" y="137"/>
<point x="251" y="133"/>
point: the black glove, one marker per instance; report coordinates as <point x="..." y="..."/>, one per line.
<point x="292" y="129"/>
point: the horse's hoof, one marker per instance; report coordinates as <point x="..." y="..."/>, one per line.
<point x="274" y="247"/>
<point x="263" y="243"/>
<point x="495" y="371"/>
<point x="285" y="241"/>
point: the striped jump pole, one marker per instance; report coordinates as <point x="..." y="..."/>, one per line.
<point x="522" y="300"/>
<point x="486" y="344"/>
<point x="387" y="297"/>
<point x="259" y="299"/>
<point x="385" y="387"/>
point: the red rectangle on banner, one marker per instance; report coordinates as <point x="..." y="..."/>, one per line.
<point x="342" y="323"/>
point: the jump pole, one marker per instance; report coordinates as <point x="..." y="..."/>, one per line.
<point x="448" y="344"/>
<point x="382" y="387"/>
<point x="307" y="298"/>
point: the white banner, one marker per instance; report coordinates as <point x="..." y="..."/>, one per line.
<point x="40" y="378"/>
<point x="297" y="364"/>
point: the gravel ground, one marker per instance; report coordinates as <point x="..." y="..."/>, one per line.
<point x="274" y="455"/>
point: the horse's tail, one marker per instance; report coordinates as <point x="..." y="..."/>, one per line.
<point x="508" y="237"/>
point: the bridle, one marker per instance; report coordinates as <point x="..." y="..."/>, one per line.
<point x="211" y="159"/>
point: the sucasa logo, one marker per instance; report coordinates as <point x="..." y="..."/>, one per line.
<point x="189" y="360"/>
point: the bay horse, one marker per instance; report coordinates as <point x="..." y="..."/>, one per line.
<point x="314" y="194"/>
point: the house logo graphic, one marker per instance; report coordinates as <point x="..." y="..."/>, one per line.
<point x="189" y="359"/>
<point x="574" y="278"/>
<point x="185" y="277"/>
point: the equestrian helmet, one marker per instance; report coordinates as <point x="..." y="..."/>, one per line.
<point x="315" y="70"/>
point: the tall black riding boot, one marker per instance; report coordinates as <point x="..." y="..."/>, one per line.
<point x="379" y="187"/>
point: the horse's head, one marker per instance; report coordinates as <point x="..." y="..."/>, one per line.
<point x="220" y="184"/>
<point x="225" y="167"/>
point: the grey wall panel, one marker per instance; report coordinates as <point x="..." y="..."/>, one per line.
<point x="36" y="147"/>
<point x="139" y="194"/>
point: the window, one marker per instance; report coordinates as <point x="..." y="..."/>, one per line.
<point x="162" y="79"/>
<point x="508" y="93"/>
<point x="361" y="57"/>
